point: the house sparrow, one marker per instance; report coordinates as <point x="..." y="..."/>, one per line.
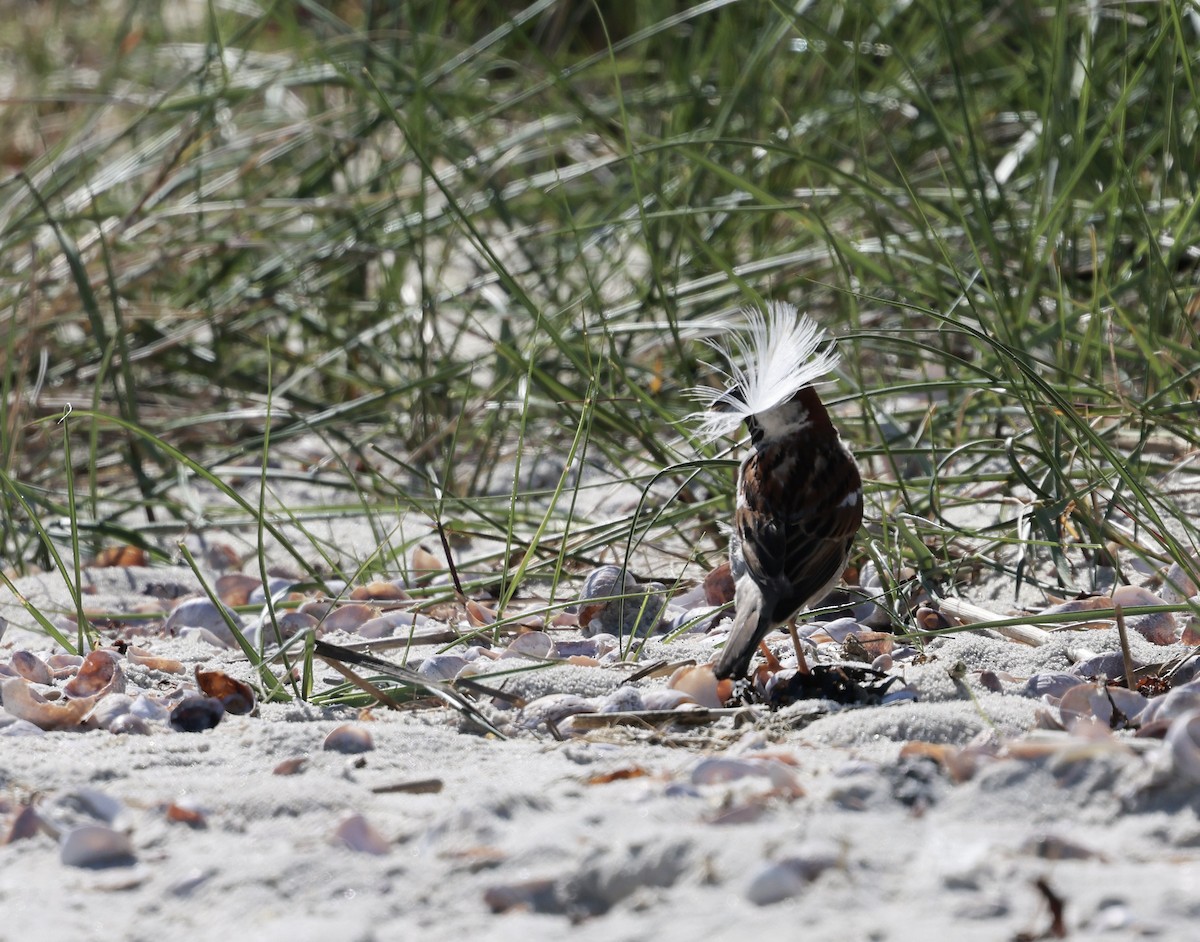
<point x="799" y="492"/>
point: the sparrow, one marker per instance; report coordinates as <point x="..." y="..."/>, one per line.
<point x="799" y="491"/>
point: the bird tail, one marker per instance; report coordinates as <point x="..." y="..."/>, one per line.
<point x="751" y="622"/>
<point x="778" y="357"/>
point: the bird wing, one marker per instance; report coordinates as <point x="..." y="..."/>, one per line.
<point x="796" y="530"/>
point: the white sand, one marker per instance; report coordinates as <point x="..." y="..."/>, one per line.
<point x="856" y="842"/>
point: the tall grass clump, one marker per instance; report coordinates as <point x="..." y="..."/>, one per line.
<point x="458" y="256"/>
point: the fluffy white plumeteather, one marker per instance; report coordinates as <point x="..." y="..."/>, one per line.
<point x="779" y="357"/>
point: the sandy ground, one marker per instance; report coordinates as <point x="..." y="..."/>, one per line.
<point x="808" y="822"/>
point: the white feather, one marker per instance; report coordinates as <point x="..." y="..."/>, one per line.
<point x="780" y="357"/>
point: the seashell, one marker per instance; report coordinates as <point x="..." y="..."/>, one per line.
<point x="530" y="644"/>
<point x="392" y="624"/>
<point x="1097" y="666"/>
<point x="349" y="738"/>
<point x="875" y="643"/>
<point x="1182" y="744"/>
<point x="292" y="766"/>
<point x="1089" y="603"/>
<point x="425" y="564"/>
<point x="698" y="618"/>
<point x="348" y="618"/>
<point x="722" y="770"/>
<point x="837" y="630"/>
<point x="883" y="663"/>
<point x="621" y="700"/>
<point x="1156" y="627"/>
<point x="612" y="601"/>
<point x="129" y="725"/>
<point x="379" y="592"/>
<point x="235" y="696"/>
<point x="150" y="709"/>
<point x="1050" y="683"/>
<point x="279" y="587"/>
<point x="25" y="703"/>
<point x="195" y="714"/>
<point x="203" y="614"/>
<point x="354" y="832"/>
<point x="1191" y="628"/>
<point x="64" y="665"/>
<point x="99" y="674"/>
<point x="554" y="708"/>
<point x="478" y="616"/>
<point x="186" y="811"/>
<point x="25" y="824"/>
<point x="583" y="647"/>
<point x="95" y="845"/>
<point x="123" y="555"/>
<point x="31" y="667"/>
<point x="108" y="709"/>
<point x="442" y="666"/>
<point x="1175" y="703"/>
<point x="1178" y="584"/>
<point x="1110" y="707"/>
<point x="533" y="896"/>
<point x="143" y="658"/>
<point x="289" y="625"/>
<point x="235" y="588"/>
<point x="699" y="683"/>
<point x="929" y="619"/>
<point x="663" y="698"/>
<point x="719" y="586"/>
<point x="18" y="727"/>
<point x="789" y="877"/>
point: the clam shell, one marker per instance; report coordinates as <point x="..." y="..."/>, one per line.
<point x="100" y="673"/>
<point x="235" y="588"/>
<point x="95" y="845"/>
<point x="699" y="683"/>
<point x="442" y="666"/>
<point x="379" y="591"/>
<point x="348" y="618"/>
<point x="790" y="876"/>
<point x="530" y="644"/>
<point x="612" y="601"/>
<point x="23" y="702"/>
<point x="553" y="708"/>
<point x="349" y="738"/>
<point x="392" y="624"/>
<point x="31" y="667"/>
<point x="201" y="613"/>
<point x="356" y="833"/>
<point x="196" y="714"/>
<point x="1110" y="707"/>
<point x="1158" y="627"/>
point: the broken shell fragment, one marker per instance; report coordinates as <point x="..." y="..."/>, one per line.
<point x="25" y="703"/>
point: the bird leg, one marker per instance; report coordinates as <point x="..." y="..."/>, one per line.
<point x="772" y="660"/>
<point x="801" y="662"/>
